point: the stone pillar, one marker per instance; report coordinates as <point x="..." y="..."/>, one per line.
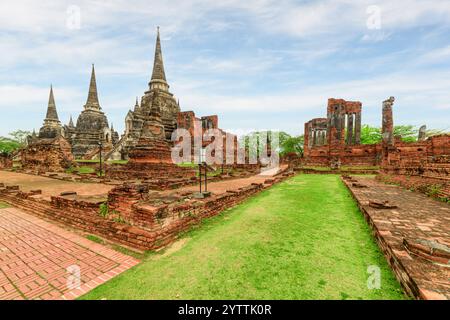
<point x="350" y="129"/>
<point x="307" y="140"/>
<point x="358" y="128"/>
<point x="314" y="137"/>
<point x="388" y="122"/>
<point x="422" y="133"/>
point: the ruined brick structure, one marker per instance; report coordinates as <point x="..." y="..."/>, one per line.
<point x="198" y="129"/>
<point x="50" y="150"/>
<point x="151" y="157"/>
<point x="44" y="155"/>
<point x="5" y="161"/>
<point x="336" y="140"/>
<point x="92" y="127"/>
<point x="136" y="216"/>
<point x="423" y="165"/>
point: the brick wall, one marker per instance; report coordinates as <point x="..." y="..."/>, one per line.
<point x="47" y="155"/>
<point x="133" y="218"/>
<point x="5" y="162"/>
<point x="422" y="166"/>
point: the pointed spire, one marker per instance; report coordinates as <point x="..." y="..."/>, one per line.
<point x="92" y="100"/>
<point x="112" y="127"/>
<point x="71" y="122"/>
<point x="137" y="102"/>
<point x="52" y="114"/>
<point x="159" y="75"/>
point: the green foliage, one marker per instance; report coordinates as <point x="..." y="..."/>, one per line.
<point x="104" y="210"/>
<point x="20" y="136"/>
<point x="287" y="143"/>
<point x="408" y="133"/>
<point x="95" y="239"/>
<point x="372" y="135"/>
<point x="7" y="146"/>
<point x="4" y="205"/>
<point x="293" y="145"/>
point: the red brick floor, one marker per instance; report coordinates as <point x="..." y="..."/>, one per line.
<point x="35" y="256"/>
<point x="417" y="218"/>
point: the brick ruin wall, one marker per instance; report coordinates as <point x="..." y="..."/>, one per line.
<point x="5" y="162"/>
<point x="423" y="166"/>
<point x="131" y="219"/>
<point x="47" y="155"/>
<point x="338" y="138"/>
<point x="188" y="121"/>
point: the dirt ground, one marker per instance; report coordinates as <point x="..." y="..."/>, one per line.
<point x="50" y="186"/>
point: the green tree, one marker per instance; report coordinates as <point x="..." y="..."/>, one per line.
<point x="293" y="145"/>
<point x="408" y="133"/>
<point x="372" y="135"/>
<point x="7" y="146"/>
<point x="20" y="136"/>
<point x="254" y="141"/>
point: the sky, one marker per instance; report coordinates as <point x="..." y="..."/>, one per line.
<point x="257" y="64"/>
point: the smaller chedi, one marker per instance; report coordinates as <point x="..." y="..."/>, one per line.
<point x="52" y="126"/>
<point x="48" y="151"/>
<point x="92" y="127"/>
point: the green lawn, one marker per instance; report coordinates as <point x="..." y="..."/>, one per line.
<point x="302" y="239"/>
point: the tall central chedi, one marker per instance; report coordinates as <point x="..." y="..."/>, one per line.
<point x="147" y="139"/>
<point x="136" y="118"/>
<point x="92" y="127"/>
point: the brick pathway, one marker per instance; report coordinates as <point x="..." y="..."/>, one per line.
<point x="419" y="221"/>
<point x="35" y="255"/>
<point x="219" y="187"/>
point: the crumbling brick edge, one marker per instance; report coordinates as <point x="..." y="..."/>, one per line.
<point x="148" y="231"/>
<point x="401" y="273"/>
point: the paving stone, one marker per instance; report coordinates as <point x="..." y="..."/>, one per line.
<point x="418" y="219"/>
<point x="36" y="253"/>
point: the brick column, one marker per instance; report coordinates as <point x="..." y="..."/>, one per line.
<point x="388" y="122"/>
<point x="350" y="129"/>
<point x="358" y="128"/>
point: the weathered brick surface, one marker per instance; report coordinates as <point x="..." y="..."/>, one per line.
<point x="35" y="256"/>
<point x="414" y="237"/>
<point x="5" y="162"/>
<point x="134" y="218"/>
<point x="422" y="166"/>
<point x="427" y="158"/>
<point x="336" y="140"/>
<point x="47" y="155"/>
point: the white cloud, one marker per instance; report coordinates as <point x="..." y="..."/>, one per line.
<point x="26" y="96"/>
<point x="35" y="39"/>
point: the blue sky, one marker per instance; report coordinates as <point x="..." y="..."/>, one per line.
<point x="258" y="64"/>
